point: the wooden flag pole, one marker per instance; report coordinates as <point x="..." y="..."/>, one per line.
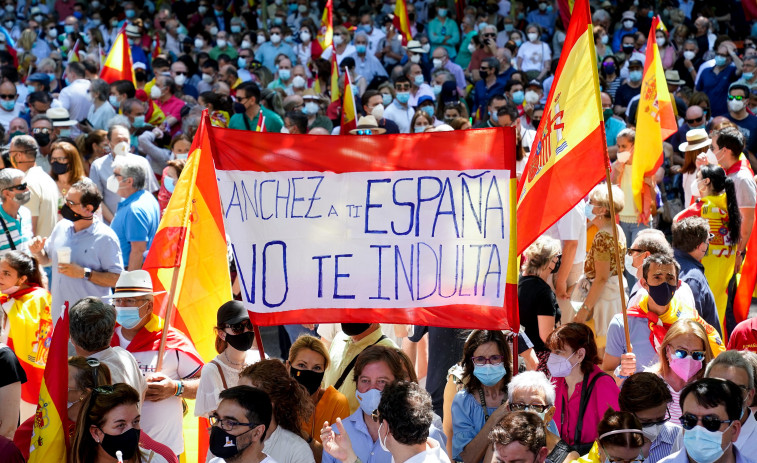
<point x="618" y="257"/>
<point x="169" y="316"/>
<point x="259" y="341"/>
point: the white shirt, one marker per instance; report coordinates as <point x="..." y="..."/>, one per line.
<point x="748" y="434"/>
<point x="572" y="227"/>
<point x="533" y="55"/>
<point x="287" y="447"/>
<point x="75" y="98"/>
<point x="7" y="116"/>
<point x="123" y="368"/>
<point x="43" y="203"/>
<point x="211" y="383"/>
<point x="400" y="116"/>
<point x="432" y="454"/>
<point x="163" y="420"/>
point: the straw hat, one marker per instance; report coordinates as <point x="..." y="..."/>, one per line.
<point x="133" y="284"/>
<point x="60" y="117"/>
<point x="672" y="77"/>
<point x="695" y="139"/>
<point x="367" y="123"/>
<point x="416" y="47"/>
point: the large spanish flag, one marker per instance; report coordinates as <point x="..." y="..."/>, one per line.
<point x="49" y="440"/>
<point x="655" y="120"/>
<point x="118" y="64"/>
<point x="568" y="156"/>
<point x="349" y="108"/>
<point x="401" y="21"/>
<point x="326" y="31"/>
<point x="191" y="245"/>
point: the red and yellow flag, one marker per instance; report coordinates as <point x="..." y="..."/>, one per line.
<point x="118" y="64"/>
<point x="73" y="55"/>
<point x="349" y="109"/>
<point x="568" y="156"/>
<point x="49" y="440"/>
<point x="326" y="31"/>
<point x="260" y="127"/>
<point x="655" y="120"/>
<point x="191" y="240"/>
<point x="156" y="51"/>
<point x="334" y="79"/>
<point x="401" y="21"/>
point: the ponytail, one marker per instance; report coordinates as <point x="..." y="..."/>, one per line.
<point x="734" y="214"/>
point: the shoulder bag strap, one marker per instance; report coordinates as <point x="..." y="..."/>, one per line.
<point x="7" y="234"/>
<point x="351" y="365"/>
<point x="585" y="396"/>
<point x="220" y="371"/>
<point x="246" y="121"/>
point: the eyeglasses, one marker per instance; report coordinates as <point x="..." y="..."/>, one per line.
<point x="5" y="96"/>
<point x="683" y="353"/>
<point x="695" y="120"/>
<point x="239" y="328"/>
<point x="402" y="88"/>
<point x="376" y="416"/>
<point x="21" y="187"/>
<point x="710" y="422"/>
<point x="658" y="422"/>
<point x="518" y="407"/>
<point x="41" y="130"/>
<point x="130" y="301"/>
<point x="492" y="360"/>
<point x="735" y="97"/>
<point x="71" y="203"/>
<point x="228" y="424"/>
<point x="364" y="132"/>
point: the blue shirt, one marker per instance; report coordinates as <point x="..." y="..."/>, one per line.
<point x="467" y="420"/>
<point x="692" y="272"/>
<point x="481" y="95"/>
<point x="95" y="247"/>
<point x="368" y="66"/>
<point x="137" y="219"/>
<point x="668" y="441"/>
<point x="748" y="128"/>
<point x="638" y="328"/>
<point x="618" y="37"/>
<point x="716" y="88"/>
<point x="545" y="20"/>
<point x="366" y="449"/>
<point x="613" y="126"/>
<point x="268" y="52"/>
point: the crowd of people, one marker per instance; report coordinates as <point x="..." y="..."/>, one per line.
<point x="89" y="166"/>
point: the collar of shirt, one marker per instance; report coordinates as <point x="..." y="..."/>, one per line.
<point x="366" y="341"/>
<point x="686" y="257"/>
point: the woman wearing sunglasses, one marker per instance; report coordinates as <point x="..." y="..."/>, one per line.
<point x="481" y="405"/>
<point x="684" y="355"/>
<point x="236" y="347"/>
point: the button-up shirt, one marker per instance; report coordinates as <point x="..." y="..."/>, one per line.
<point x="75" y="99"/>
<point x="682" y="457"/>
<point x="668" y="441"/>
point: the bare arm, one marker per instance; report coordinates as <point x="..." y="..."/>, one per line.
<point x="569" y="248"/>
<point x="34" y="225"/>
<point x="10" y="400"/>
<point x="107" y="214"/>
<point x="136" y="255"/>
<point x="602" y="269"/>
<point x="37" y="247"/>
<point x="546" y="326"/>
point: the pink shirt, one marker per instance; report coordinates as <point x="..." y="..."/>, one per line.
<point x="603" y="396"/>
<point x="172" y="107"/>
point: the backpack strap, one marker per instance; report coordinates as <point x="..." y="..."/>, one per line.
<point x="585" y="396"/>
<point x="220" y="371"/>
<point x="351" y="365"/>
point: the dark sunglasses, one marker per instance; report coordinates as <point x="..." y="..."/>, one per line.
<point x="710" y="422"/>
<point x="21" y="187"/>
<point x="364" y="132"/>
<point x="682" y="354"/>
<point x="695" y="120"/>
<point x="7" y="97"/>
<point x="239" y="328"/>
<point x="735" y="97"/>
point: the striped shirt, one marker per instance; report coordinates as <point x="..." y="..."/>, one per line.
<point x="669" y="441"/>
<point x="20" y="229"/>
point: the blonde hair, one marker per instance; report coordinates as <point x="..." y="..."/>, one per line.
<point x="600" y="195"/>
<point x="539" y="254"/>
<point x="681" y="327"/>
<point x="309" y="342"/>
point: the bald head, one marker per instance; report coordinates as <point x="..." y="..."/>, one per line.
<point x="694" y="112"/>
<point x="318" y="131"/>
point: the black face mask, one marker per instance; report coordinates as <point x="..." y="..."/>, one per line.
<point x="308" y="378"/>
<point x="241" y="342"/>
<point x="239" y="108"/>
<point x="628" y="49"/>
<point x="59" y="168"/>
<point x="127" y="443"/>
<point x="69" y="214"/>
<point x="222" y="444"/>
<point x="557" y="265"/>
<point x="140" y="76"/>
<point x="354" y="329"/>
<point x="43" y="139"/>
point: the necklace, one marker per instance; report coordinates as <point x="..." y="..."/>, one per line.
<point x="226" y="356"/>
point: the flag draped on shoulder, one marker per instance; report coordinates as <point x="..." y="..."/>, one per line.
<point x="349" y="108"/>
<point x="655" y="121"/>
<point x="118" y="64"/>
<point x="568" y="154"/>
<point x="401" y="21"/>
<point x="49" y="440"/>
<point x="191" y="240"/>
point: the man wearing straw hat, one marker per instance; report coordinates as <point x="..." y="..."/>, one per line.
<point x="140" y="332"/>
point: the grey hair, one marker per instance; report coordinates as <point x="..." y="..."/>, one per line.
<point x="118" y="121"/>
<point x="731" y="358"/>
<point x="8" y="176"/>
<point x="27" y="144"/>
<point x="130" y="167"/>
<point x="100" y="89"/>
<point x="92" y="323"/>
<point x="532" y="381"/>
<point x="693" y="42"/>
<point x="448" y="77"/>
<point x="600" y="15"/>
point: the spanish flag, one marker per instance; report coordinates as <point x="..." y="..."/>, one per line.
<point x="655" y="121"/>
<point x="73" y="55"/>
<point x="326" y="31"/>
<point x="49" y="441"/>
<point x="260" y="127"/>
<point x="190" y="246"/>
<point x="334" y="79"/>
<point x="118" y="64"/>
<point x="349" y="109"/>
<point x="401" y="21"/>
<point x="156" y="51"/>
<point x="568" y="156"/>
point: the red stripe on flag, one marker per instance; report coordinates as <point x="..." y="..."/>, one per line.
<point x="747" y="281"/>
<point x="165" y="256"/>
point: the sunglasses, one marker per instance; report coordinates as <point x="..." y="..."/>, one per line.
<point x="490" y="34"/>
<point x="239" y="328"/>
<point x="695" y="120"/>
<point x="735" y="97"/>
<point x="711" y="423"/>
<point x="683" y="353"/>
<point x="517" y="407"/>
<point x="402" y="88"/>
<point x="364" y="132"/>
<point x="21" y="187"/>
<point x="7" y="97"/>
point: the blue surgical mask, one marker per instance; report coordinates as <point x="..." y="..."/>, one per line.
<point x="704" y="446"/>
<point x="361" y="48"/>
<point x="494" y="116"/>
<point x="169" y="183"/>
<point x="418" y="79"/>
<point x="241" y="62"/>
<point x="437" y="89"/>
<point x="518" y="97"/>
<point x="488" y="374"/>
<point x="30" y="89"/>
<point x="589" y="211"/>
<point x="139" y="122"/>
<point x="236" y="29"/>
<point x="130" y="13"/>
<point x="310" y="108"/>
<point x="403" y="97"/>
<point x="386" y="99"/>
<point x="128" y="317"/>
<point x="508" y="27"/>
<point x="52" y="78"/>
<point x="720" y="60"/>
<point x="8" y="105"/>
<point x="114" y="101"/>
<point x="419" y="128"/>
<point x="428" y="110"/>
<point x="747" y="75"/>
<point x="285" y="74"/>
<point x="69" y="29"/>
<point x="518" y="42"/>
<point x="635" y="76"/>
<point x="369" y="400"/>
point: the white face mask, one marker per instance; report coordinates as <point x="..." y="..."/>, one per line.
<point x="624" y="156"/>
<point x="284" y="130"/>
<point x="437" y="63"/>
<point x="246" y="44"/>
<point x="629" y="265"/>
<point x="275" y="38"/>
<point x="298" y="82"/>
<point x="660" y="42"/>
<point x="532" y="36"/>
<point x="121" y="149"/>
<point x="532" y="97"/>
<point x="736" y="106"/>
<point x="207" y="78"/>
<point x="378" y="112"/>
<point x="415" y="59"/>
<point x="261" y="39"/>
<point x="338" y="40"/>
<point x="113" y="184"/>
<point x="199" y="43"/>
<point x="305" y="36"/>
<point x="221" y="43"/>
<point x="689" y="55"/>
<point x="179" y="79"/>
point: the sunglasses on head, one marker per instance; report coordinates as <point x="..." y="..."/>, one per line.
<point x="239" y="328"/>
<point x="710" y="422"/>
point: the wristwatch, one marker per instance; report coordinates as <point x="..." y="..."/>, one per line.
<point x="87" y="273"/>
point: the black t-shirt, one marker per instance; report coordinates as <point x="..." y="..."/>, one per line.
<point x="625" y="94"/>
<point x="10" y="366"/>
<point x="445" y="348"/>
<point x="535" y="298"/>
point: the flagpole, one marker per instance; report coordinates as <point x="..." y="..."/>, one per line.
<point x="259" y="341"/>
<point x="169" y="315"/>
<point x="618" y="257"/>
